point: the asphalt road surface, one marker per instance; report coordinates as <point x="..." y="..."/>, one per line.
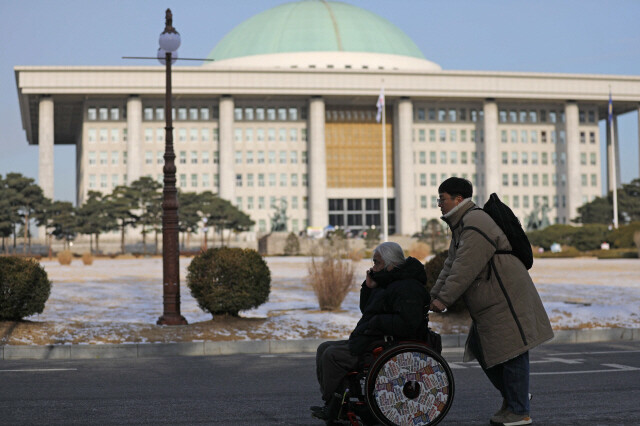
<point x="578" y="384"/>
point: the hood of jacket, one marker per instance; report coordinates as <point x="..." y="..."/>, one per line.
<point x="412" y="268"/>
<point x="455" y="215"/>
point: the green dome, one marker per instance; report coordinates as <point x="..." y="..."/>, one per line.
<point x="314" y="26"/>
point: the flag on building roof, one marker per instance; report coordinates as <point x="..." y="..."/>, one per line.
<point x="380" y="105"/>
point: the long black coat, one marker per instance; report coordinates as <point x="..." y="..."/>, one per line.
<point x="396" y="307"/>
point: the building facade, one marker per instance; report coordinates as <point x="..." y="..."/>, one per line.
<point x="287" y="114"/>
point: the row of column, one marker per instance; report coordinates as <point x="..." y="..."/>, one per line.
<point x="406" y="221"/>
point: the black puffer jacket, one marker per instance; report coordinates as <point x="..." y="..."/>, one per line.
<point x="396" y="307"/>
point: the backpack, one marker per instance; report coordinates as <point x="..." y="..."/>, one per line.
<point x="503" y="216"/>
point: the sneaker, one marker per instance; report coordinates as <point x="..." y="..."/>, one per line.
<point x="504" y="407"/>
<point x="507" y="418"/>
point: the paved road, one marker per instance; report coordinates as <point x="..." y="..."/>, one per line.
<point x="595" y="384"/>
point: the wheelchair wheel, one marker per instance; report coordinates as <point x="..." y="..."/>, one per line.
<point x="409" y="384"/>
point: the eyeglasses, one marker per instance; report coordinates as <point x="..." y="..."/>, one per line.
<point x="441" y="201"/>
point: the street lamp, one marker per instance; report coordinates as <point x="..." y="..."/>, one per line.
<point x="167" y="53"/>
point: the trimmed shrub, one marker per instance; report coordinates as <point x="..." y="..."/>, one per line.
<point x="372" y="238"/>
<point x="565" y="253"/>
<point x="87" y="259"/>
<point x="227" y="280"/>
<point x="65" y="257"/>
<point x="292" y="245"/>
<point x="621" y="253"/>
<point x="24" y="288"/>
<point x="636" y="240"/>
<point x="433" y="268"/>
<point x="419" y="250"/>
<point x="623" y="236"/>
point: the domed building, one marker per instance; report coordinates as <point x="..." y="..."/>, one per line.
<point x="286" y="115"/>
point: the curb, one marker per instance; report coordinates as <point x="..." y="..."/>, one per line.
<point x="451" y="343"/>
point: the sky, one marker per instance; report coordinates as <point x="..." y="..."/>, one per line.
<point x="555" y="36"/>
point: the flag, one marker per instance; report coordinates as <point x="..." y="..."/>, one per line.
<point x="380" y="105"/>
<point x="610" y="109"/>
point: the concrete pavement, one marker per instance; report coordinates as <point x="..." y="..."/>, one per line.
<point x="450" y="343"/>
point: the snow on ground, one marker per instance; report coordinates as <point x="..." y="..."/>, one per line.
<point x="115" y="298"/>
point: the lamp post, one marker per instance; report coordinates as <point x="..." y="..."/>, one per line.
<point x="167" y="53"/>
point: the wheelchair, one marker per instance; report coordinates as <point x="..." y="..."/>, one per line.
<point x="400" y="383"/>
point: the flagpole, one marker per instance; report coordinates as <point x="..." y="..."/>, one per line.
<point x="385" y="215"/>
<point x="613" y="163"/>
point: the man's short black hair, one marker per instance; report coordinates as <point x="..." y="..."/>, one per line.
<point x="455" y="186"/>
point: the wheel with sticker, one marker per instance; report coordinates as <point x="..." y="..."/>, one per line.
<point x="409" y="384"/>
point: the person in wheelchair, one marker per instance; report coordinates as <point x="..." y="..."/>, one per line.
<point x="392" y="301"/>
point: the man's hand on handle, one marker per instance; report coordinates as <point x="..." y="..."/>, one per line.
<point x="437" y="306"/>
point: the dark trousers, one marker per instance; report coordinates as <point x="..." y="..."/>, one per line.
<point x="333" y="362"/>
<point x="511" y="378"/>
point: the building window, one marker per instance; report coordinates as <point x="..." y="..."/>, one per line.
<point x="454" y="157"/>
<point x="592" y="158"/>
<point x="92" y="158"/>
<point x="182" y="135"/>
<point x="423" y="179"/>
<point x="183" y="157"/>
<point x="505" y="179"/>
<point x="115" y="157"/>
<point x="525" y="158"/>
<point x="283" y="157"/>
<point x="193" y="134"/>
<point x="514" y="179"/>
<point x="238" y="179"/>
<point x="534" y="136"/>
<point x="148" y="135"/>
<point x="583" y="137"/>
<point x="294" y="179"/>
<point x="543" y="136"/>
<point x="204" y="113"/>
<point x="592" y="137"/>
<point x="514" y="157"/>
<point x="92" y="114"/>
<point x="271" y="134"/>
<point x="453" y="135"/>
<point x="194" y="180"/>
<point x="272" y="157"/>
<point x="443" y="157"/>
<point x="525" y="179"/>
<point x="594" y="179"/>
<point x="260" y="179"/>
<point x="249" y="179"/>
<point x="194" y="157"/>
<point x="148" y="157"/>
<point x="272" y="179"/>
<point x="583" y="158"/>
<point x="237" y="135"/>
<point x="160" y="157"/>
<point x="443" y="135"/>
<point x="283" y="179"/>
<point x="103" y="135"/>
<point x="293" y="155"/>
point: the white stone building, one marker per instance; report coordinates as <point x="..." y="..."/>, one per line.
<point x="287" y="111"/>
